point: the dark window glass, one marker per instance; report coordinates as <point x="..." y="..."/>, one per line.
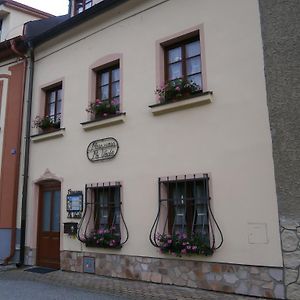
<point x="53" y="104"/>
<point x="108" y="85"/>
<point x="183" y="61"/>
<point x="81" y="5"/>
<point x="107" y="208"/>
<point x="187" y="208"/>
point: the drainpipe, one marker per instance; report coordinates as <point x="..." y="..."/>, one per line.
<point x="26" y="159"/>
<point x="70" y="8"/>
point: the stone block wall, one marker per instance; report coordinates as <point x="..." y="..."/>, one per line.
<point x="280" y="25"/>
<point x="230" y="278"/>
<point x="290" y="236"/>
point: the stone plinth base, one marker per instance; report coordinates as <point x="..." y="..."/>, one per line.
<point x="229" y="278"/>
<point x="290" y="239"/>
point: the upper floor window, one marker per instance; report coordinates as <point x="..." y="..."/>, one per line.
<point x="183" y="61"/>
<point x="108" y="84"/>
<point x="53" y="104"/>
<point x="107" y="102"/>
<point x="182" y="68"/>
<point x="51" y="118"/>
<point x="81" y="5"/>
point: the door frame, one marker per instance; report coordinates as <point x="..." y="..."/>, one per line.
<point x="48" y="185"/>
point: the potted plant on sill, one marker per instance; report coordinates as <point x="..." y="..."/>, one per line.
<point x="180" y="244"/>
<point x="104" y="238"/>
<point x="178" y="89"/>
<point x="46" y="124"/>
<point x="103" y="109"/>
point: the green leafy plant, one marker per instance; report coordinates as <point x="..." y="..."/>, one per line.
<point x="180" y="244"/>
<point x="105" y="238"/>
<point x="46" y="123"/>
<point x="102" y="109"/>
<point x="177" y="89"/>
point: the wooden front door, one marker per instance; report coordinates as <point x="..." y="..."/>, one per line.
<point x="48" y="240"/>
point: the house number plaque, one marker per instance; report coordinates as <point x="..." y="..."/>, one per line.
<point x="102" y="149"/>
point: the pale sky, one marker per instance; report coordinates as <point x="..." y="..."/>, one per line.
<point x="55" y="7"/>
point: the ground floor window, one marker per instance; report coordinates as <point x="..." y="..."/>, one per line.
<point x="102" y="219"/>
<point x="183" y="224"/>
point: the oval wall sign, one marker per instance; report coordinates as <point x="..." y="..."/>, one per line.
<point x="102" y="149"/>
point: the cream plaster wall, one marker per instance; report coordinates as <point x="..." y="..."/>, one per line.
<point x="229" y="138"/>
<point x="13" y="22"/>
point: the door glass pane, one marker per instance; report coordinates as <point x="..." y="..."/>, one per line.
<point x="196" y="79"/>
<point x="174" y="55"/>
<point x="104" y="78"/>
<point x="192" y="49"/>
<point x="193" y="65"/>
<point x="56" y="212"/>
<point x="115" y="75"/>
<point x="46" y="211"/>
<point x="115" y="89"/>
<point x="104" y="92"/>
<point x="175" y="71"/>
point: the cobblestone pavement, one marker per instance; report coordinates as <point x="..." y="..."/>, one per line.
<point x="117" y="287"/>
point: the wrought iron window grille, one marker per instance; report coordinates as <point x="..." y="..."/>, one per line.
<point x="184" y="222"/>
<point x="102" y="222"/>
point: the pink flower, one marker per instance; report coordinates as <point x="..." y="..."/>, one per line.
<point x="194" y="248"/>
<point x="169" y="241"/>
<point x="98" y="101"/>
<point x="100" y="231"/>
<point x="105" y="115"/>
<point x="177" y="89"/>
<point x="188" y="247"/>
<point x="183" y="251"/>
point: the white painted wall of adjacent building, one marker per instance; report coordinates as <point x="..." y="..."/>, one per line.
<point x="13" y="22"/>
<point x="229" y="138"/>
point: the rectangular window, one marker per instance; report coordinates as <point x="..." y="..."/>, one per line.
<point x="183" y="61"/>
<point x="103" y="216"/>
<point x="187" y="206"/>
<point x="53" y="104"/>
<point x="82" y="5"/>
<point x="107" y="208"/>
<point x="108" y="84"/>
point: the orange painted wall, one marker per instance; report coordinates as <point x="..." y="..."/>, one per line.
<point x="11" y="147"/>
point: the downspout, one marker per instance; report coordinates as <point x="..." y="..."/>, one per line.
<point x="70" y="8"/>
<point x="26" y="158"/>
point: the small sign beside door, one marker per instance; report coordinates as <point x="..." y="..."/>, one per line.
<point x="102" y="149"/>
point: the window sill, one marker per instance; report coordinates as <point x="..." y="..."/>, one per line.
<point x="48" y="135"/>
<point x="109" y="121"/>
<point x="192" y="101"/>
<point x="93" y="244"/>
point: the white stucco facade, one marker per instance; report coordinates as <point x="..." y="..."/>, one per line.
<point x="229" y="138"/>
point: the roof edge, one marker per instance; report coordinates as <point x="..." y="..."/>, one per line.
<point x="76" y="20"/>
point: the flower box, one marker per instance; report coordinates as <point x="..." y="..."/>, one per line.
<point x="180" y="244"/>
